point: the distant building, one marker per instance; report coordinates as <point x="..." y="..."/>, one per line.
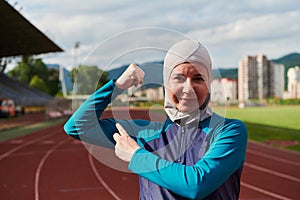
<point x="155" y="93"/>
<point x="66" y="81"/>
<point x="223" y="90"/>
<point x="259" y="78"/>
<point x="278" y="80"/>
<point x="294" y="82"/>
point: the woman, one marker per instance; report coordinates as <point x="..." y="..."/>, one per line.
<point x="194" y="154"/>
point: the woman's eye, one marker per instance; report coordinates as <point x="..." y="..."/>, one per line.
<point x="198" y="79"/>
<point x="179" y="78"/>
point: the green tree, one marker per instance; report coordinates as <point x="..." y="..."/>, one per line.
<point x="29" y="67"/>
<point x="22" y="71"/>
<point x="53" y="82"/>
<point x="39" y="68"/>
<point x="87" y="79"/>
<point x="38" y="83"/>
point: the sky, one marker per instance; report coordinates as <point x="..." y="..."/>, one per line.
<point x="111" y="33"/>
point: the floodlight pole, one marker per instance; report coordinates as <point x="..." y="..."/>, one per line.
<point x="76" y="47"/>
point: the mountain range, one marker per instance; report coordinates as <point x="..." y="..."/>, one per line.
<point x="154" y="70"/>
<point x="290" y="60"/>
<point x="153" y="73"/>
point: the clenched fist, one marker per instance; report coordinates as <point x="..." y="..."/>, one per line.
<point x="132" y="76"/>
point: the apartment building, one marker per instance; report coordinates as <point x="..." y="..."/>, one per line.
<point x="294" y="82"/>
<point x="259" y="78"/>
<point x="278" y="80"/>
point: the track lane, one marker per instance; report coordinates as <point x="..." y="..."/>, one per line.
<point x="100" y="179"/>
<point x="18" y="144"/>
<point x="66" y="173"/>
<point x="271" y="184"/>
<point x="124" y="184"/>
<point x="271" y="172"/>
<point x="40" y="166"/>
<point x="17" y="168"/>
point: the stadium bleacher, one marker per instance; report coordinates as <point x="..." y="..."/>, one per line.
<point x="21" y="93"/>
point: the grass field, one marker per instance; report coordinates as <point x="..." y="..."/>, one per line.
<point x="269" y="124"/>
<point x="277" y="116"/>
<point x="24" y="130"/>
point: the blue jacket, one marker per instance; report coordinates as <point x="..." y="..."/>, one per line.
<point x="194" y="161"/>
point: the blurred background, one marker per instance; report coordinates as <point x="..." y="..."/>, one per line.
<point x="55" y="54"/>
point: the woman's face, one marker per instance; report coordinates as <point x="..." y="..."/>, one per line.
<point x="188" y="86"/>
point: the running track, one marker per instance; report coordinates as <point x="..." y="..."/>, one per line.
<point x="50" y="165"/>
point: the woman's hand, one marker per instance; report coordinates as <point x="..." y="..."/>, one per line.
<point x="125" y="145"/>
<point x="133" y="75"/>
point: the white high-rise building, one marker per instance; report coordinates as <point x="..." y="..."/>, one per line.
<point x="259" y="78"/>
<point x="294" y="82"/>
<point x="278" y="80"/>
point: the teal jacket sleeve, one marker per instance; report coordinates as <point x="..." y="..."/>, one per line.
<point x="225" y="155"/>
<point x="85" y="123"/>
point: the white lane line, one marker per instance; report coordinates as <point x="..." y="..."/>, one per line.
<point x="40" y="166"/>
<point x="100" y="179"/>
<point x="272" y="172"/>
<point x="81" y="189"/>
<point x="270" y="147"/>
<point x="6" y="154"/>
<point x="252" y="187"/>
<point x="276" y="158"/>
<point x="16" y="141"/>
<point x="43" y="152"/>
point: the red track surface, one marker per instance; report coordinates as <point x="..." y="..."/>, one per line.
<point x="22" y="120"/>
<point x="51" y="165"/>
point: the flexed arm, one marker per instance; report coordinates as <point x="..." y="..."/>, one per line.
<point x="85" y="125"/>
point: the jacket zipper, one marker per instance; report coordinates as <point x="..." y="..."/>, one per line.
<point x="181" y="143"/>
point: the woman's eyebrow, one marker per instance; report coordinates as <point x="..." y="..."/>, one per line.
<point x="200" y="75"/>
<point x="183" y="74"/>
<point x="178" y="74"/>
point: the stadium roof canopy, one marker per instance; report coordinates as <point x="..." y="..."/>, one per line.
<point x="19" y="37"/>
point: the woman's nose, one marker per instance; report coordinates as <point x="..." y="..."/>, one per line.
<point x="187" y="86"/>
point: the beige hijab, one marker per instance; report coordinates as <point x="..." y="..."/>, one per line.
<point x="186" y="51"/>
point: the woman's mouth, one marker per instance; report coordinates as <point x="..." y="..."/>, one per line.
<point x="186" y="99"/>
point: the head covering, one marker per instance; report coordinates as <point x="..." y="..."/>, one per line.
<point x="193" y="52"/>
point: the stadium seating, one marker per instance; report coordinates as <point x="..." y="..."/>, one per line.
<point x="21" y="93"/>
